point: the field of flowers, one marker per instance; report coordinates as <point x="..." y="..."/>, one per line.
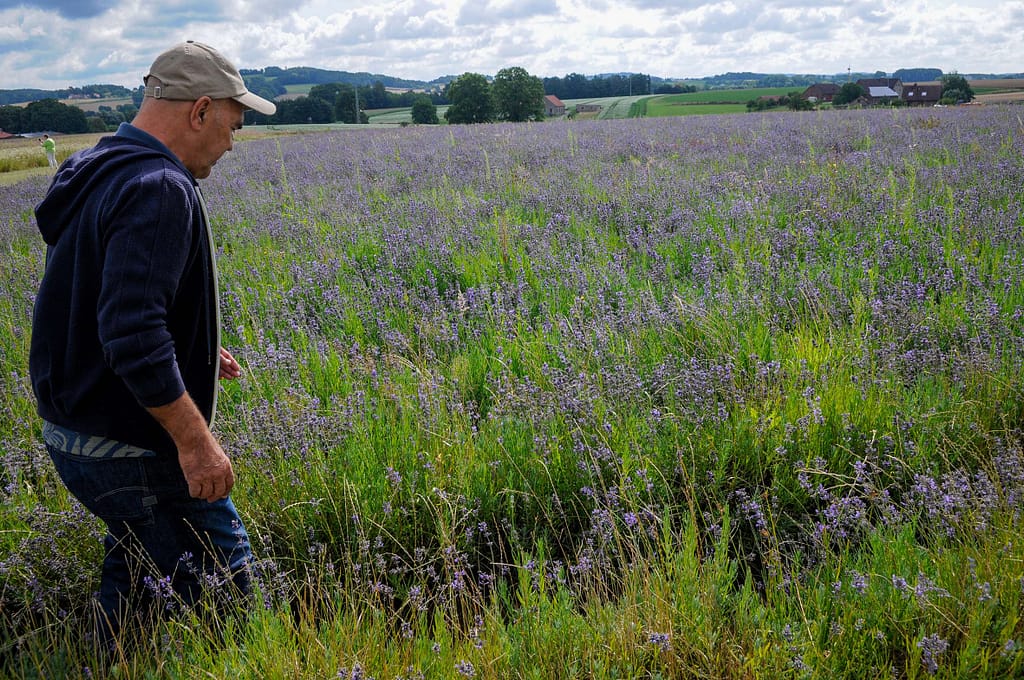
<point x="724" y="396"/>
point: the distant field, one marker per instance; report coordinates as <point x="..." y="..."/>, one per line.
<point x="1004" y="91"/>
<point x="728" y="96"/>
<point x="725" y="101"/>
<point x="660" y="107"/>
<point x="95" y="104"/>
<point x="611" y="107"/>
<point x="998" y="84"/>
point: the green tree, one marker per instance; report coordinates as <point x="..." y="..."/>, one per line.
<point x="10" y="119"/>
<point x="328" y="92"/>
<point x="375" y="97"/>
<point x="796" y="102"/>
<point x="849" y="92"/>
<point x="50" y="114"/>
<point x="955" y="89"/>
<point x="424" y="112"/>
<point x="303" y="110"/>
<point x="129" y="111"/>
<point x="96" y="124"/>
<point x="111" y="118"/>
<point x="518" y="96"/>
<point x="348" y="107"/>
<point x="471" y="101"/>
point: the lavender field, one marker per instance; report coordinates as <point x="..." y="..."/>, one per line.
<point x="716" y="396"/>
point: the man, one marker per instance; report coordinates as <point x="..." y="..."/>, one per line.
<point x="125" y="350"/>
<point x="50" y="147"/>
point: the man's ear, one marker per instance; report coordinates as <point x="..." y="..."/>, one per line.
<point x="197" y="115"/>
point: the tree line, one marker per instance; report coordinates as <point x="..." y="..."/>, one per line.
<point x="579" y="86"/>
<point x="50" y="115"/>
<point x="43" y="115"/>
<point x="338" y="102"/>
<point x="513" y="95"/>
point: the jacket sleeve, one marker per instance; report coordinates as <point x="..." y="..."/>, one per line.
<point x="148" y="241"/>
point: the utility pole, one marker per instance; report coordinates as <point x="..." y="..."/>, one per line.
<point x="356" y="88"/>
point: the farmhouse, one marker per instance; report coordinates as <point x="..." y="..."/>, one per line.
<point x="553" y="106"/>
<point x="821" y="92"/>
<point x="881" y="90"/>
<point x="921" y="94"/>
<point x="882" y="84"/>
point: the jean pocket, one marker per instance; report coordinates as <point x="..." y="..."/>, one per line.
<point x="113" y="489"/>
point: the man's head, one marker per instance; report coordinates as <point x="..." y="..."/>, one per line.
<point x="191" y="70"/>
<point x="195" y="100"/>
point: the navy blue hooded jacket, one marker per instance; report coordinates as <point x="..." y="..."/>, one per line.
<point x="125" y="317"/>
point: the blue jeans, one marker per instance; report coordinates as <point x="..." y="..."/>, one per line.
<point x="164" y="549"/>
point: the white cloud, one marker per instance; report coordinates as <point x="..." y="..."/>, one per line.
<point x="53" y="43"/>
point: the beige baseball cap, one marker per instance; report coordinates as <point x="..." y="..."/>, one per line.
<point x="192" y="70"/>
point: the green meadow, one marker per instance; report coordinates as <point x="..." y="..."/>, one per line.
<point x="741" y="96"/>
<point x="733" y="396"/>
<point x="661" y="106"/>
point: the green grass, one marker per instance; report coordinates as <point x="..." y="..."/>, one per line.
<point x="660" y="108"/>
<point x="741" y="96"/>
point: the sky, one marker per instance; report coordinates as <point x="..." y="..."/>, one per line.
<point x="53" y="44"/>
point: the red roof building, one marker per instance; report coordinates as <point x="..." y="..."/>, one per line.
<point x="553" y="106"/>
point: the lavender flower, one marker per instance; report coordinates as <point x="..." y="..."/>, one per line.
<point x="932" y="647"/>
<point x="659" y="640"/>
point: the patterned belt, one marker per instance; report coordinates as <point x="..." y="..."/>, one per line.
<point x="90" y="446"/>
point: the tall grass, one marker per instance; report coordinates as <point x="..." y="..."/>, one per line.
<point x="17" y="155"/>
<point x="732" y="396"/>
<point x="22" y="161"/>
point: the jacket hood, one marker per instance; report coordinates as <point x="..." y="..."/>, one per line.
<point x="85" y="173"/>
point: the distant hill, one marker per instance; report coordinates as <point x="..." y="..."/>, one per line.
<point x="272" y="81"/>
<point x="305" y="75"/>
<point x="22" y="96"/>
<point x="747" y="80"/>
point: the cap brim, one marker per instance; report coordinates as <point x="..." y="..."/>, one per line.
<point x="256" y="103"/>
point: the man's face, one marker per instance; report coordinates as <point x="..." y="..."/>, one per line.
<point x="221" y="120"/>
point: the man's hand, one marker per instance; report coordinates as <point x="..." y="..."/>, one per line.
<point x="229" y="368"/>
<point x="207" y="470"/>
<point x="206" y="467"/>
